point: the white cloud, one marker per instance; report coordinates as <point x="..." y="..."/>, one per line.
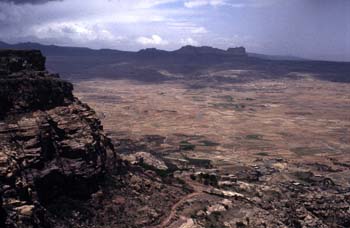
<point x="153" y="40"/>
<point x="187" y="27"/>
<point x="199" y="30"/>
<point x="199" y="3"/>
<point x="189" y="41"/>
<point x="152" y="3"/>
<point x="215" y="3"/>
<point x="75" y="31"/>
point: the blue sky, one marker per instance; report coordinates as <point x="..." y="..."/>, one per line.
<point x="318" y="29"/>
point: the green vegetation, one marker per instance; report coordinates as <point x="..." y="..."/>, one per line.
<point x="227" y="98"/>
<point x="205" y="163"/>
<point x="207" y="179"/>
<point x="262" y="154"/>
<point x="237" y="107"/>
<point x="184" y="145"/>
<point x="304" y="151"/>
<point x="209" y="143"/>
<point x="254" y="137"/>
<point x="198" y="98"/>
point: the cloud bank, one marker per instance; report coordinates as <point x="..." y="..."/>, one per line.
<point x="153" y="40"/>
<point x="310" y="29"/>
<point x="29" y="1"/>
<point x="199" y="3"/>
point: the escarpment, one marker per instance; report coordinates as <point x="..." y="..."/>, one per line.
<point x="25" y="86"/>
<point x="51" y="144"/>
<point x="57" y="167"/>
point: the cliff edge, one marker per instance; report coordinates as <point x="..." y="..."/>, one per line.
<point x="51" y="144"/>
<point x="57" y="167"/>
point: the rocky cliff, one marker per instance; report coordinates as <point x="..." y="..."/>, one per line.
<point x="51" y="144"/>
<point x="57" y="167"/>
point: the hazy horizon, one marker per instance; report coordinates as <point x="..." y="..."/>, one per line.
<point x="308" y="29"/>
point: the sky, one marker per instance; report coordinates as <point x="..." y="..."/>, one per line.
<point x="313" y="29"/>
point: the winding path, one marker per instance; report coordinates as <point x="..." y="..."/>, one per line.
<point x="198" y="190"/>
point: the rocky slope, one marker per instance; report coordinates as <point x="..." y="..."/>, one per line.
<point x="57" y="168"/>
<point x="269" y="192"/>
<point x="50" y="143"/>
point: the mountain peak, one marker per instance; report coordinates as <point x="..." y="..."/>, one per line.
<point x="237" y="51"/>
<point x="211" y="50"/>
<point x="199" y="50"/>
<point x="150" y="50"/>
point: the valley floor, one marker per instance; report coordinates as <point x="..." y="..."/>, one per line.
<point x="285" y="139"/>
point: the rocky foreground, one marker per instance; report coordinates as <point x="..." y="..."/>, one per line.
<point x="58" y="169"/>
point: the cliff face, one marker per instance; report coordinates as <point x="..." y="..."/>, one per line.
<point x="14" y="61"/>
<point x="51" y="144"/>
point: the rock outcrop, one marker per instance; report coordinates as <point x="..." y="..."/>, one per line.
<point x="205" y="50"/>
<point x="58" y="169"/>
<point x="51" y="144"/>
<point x="14" y="61"/>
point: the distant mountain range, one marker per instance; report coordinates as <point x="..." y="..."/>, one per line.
<point x="188" y="62"/>
<point x="277" y="57"/>
<point x="53" y="50"/>
<point x="76" y="62"/>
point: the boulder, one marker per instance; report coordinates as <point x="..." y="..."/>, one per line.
<point x="146" y="159"/>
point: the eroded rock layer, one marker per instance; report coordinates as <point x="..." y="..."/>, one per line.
<point x="51" y="144"/>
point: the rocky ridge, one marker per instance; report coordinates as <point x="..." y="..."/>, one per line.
<point x="51" y="144"/>
<point x="57" y="167"/>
